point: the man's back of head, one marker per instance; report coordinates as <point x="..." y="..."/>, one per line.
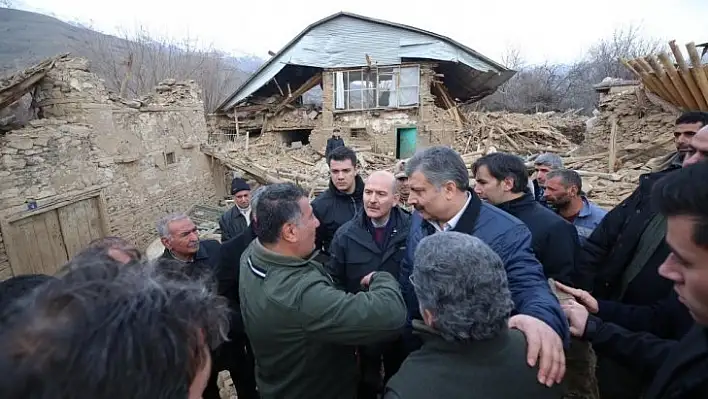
<point x="462" y="287"/>
<point x="103" y="330"/>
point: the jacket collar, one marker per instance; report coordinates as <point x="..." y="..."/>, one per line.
<point x="266" y="258"/>
<point x="200" y="255"/>
<point x="524" y="201"/>
<point x="469" y="216"/>
<point x="432" y="339"/>
<point x="358" y="188"/>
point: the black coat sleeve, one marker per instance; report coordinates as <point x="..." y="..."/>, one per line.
<point x="640" y="351"/>
<point x="224" y="227"/>
<point x="318" y="208"/>
<point x="561" y="251"/>
<point x="336" y="266"/>
<point x="597" y="247"/>
<point x="668" y="318"/>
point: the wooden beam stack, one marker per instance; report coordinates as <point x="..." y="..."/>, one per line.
<point x="681" y="84"/>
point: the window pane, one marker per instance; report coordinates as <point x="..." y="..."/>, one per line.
<point x="354" y="99"/>
<point x="387" y="98"/>
<point x="387" y="70"/>
<point x="409" y="76"/>
<point x="407" y="96"/>
<point x="353" y="80"/>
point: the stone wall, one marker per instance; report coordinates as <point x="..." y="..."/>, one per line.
<point x="144" y="154"/>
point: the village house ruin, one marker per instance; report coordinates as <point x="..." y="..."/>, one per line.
<point x="391" y="86"/>
<point x="91" y="164"/>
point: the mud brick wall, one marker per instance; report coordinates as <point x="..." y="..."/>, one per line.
<point x="435" y="125"/>
<point x="145" y="153"/>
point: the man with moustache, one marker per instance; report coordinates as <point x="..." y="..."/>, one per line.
<point x="373" y="241"/>
<point x="675" y="369"/>
<point x="303" y="330"/>
<point x="199" y="259"/>
<point x="619" y="261"/>
<point x="444" y="201"/>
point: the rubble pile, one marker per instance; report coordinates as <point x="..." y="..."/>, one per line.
<point x="628" y="137"/>
<point x="523" y="134"/>
<point x="610" y="171"/>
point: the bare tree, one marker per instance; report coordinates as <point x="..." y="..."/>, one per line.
<point x="132" y="64"/>
<point x="556" y="87"/>
<point x="605" y="55"/>
<point x="6" y="3"/>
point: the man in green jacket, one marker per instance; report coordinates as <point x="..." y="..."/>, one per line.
<point x="302" y="329"/>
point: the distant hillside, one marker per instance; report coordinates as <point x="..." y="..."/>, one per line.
<point x="26" y="38"/>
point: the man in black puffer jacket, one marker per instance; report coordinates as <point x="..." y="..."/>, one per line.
<point x="343" y="198"/>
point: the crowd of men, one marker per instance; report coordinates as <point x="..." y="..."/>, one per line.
<point x="411" y="284"/>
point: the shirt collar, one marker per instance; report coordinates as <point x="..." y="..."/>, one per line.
<point x="585" y="211"/>
<point x="452" y="223"/>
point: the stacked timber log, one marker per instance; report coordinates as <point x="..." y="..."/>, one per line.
<point x="682" y="84"/>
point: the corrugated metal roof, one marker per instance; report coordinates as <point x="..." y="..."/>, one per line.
<point x="345" y="40"/>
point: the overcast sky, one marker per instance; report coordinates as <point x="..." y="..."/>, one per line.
<point x="543" y="29"/>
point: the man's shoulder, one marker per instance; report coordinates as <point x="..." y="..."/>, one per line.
<point x="210" y="244"/>
<point x="347" y="229"/>
<point x="503" y="221"/>
<point x="286" y="285"/>
<point x="323" y="198"/>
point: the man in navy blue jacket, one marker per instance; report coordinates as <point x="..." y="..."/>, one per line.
<point x="440" y="193"/>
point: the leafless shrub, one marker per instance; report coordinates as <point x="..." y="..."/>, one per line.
<point x="132" y="64"/>
<point x="558" y="87"/>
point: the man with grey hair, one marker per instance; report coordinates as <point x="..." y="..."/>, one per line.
<point x="236" y="355"/>
<point x="103" y="330"/>
<point x="199" y="259"/>
<point x="180" y="237"/>
<point x="468" y="350"/>
<point x="543" y="164"/>
<point x="443" y="200"/>
<point x="303" y="329"/>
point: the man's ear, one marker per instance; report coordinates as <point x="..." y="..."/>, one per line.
<point x="165" y="242"/>
<point x="287" y="233"/>
<point x="508" y="183"/>
<point x="428" y="317"/>
<point x="449" y="189"/>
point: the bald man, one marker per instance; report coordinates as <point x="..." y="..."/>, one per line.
<point x="373" y="241"/>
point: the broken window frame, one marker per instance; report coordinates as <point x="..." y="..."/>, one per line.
<point x="341" y="86"/>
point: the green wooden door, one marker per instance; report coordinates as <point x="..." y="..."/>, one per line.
<point x="406" y="142"/>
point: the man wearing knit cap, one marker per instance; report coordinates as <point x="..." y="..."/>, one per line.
<point x="402" y="186"/>
<point x="234" y="221"/>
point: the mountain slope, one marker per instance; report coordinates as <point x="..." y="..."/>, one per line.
<point x="27" y="38"/>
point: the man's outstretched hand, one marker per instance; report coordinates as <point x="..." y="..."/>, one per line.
<point x="545" y="347"/>
<point x="581" y="296"/>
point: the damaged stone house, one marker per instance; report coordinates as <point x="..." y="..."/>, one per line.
<point x="390" y="86"/>
<point x="91" y="164"/>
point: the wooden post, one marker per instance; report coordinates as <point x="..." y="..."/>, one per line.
<point x="236" y="122"/>
<point x="613" y="144"/>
